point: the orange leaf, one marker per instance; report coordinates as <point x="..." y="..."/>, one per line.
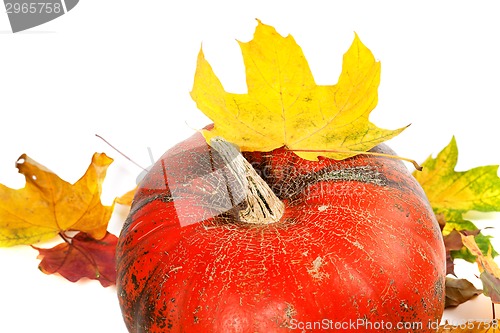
<point x="48" y="205"/>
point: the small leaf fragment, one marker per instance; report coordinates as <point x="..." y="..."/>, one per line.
<point x="285" y="107"/>
<point x="82" y="257"/>
<point x="459" y="291"/>
<point x="452" y="242"/>
<point x="490" y="272"/>
<point x="126" y="199"/>
<point x="491" y="286"/>
<point x="48" y="205"/>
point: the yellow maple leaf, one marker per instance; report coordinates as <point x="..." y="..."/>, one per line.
<point x="285" y="107"/>
<point x="48" y="205"/>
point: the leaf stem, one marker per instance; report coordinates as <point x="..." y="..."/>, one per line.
<point x="119" y="152"/>
<point x="415" y="164"/>
<point x="65" y="238"/>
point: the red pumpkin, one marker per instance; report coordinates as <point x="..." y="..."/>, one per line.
<point x="357" y="247"/>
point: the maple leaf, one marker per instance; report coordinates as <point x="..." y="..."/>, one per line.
<point x="82" y="256"/>
<point x="285" y="107"/>
<point x="48" y="205"/>
<point x="452" y="193"/>
<point x="475" y="189"/>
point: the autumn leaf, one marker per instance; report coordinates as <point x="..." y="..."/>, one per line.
<point x="452" y="193"/>
<point x="490" y="272"/>
<point x="285" y="107"/>
<point x="452" y="243"/>
<point x="447" y="189"/>
<point x="82" y="256"/>
<point x="48" y="205"/>
<point x="459" y="291"/>
<point x="452" y="239"/>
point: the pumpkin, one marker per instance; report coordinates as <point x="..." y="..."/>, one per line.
<point x="219" y="241"/>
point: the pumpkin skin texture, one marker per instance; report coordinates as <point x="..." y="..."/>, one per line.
<point x="358" y="245"/>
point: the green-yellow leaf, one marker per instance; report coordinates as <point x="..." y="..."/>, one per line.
<point x="285" y="107"/>
<point x="48" y="205"/>
<point x="475" y="189"/>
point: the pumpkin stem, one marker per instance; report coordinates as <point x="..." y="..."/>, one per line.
<point x="261" y="205"/>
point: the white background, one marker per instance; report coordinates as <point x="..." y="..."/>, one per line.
<point x="123" y="69"/>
